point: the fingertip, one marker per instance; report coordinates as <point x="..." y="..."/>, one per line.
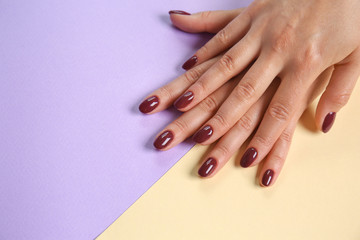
<point x="207" y="168"/>
<point x="163" y="140"/>
<point x="267" y="178"/>
<point x="149" y="104"/>
<point x="328" y="122"/>
<point x="178" y="12"/>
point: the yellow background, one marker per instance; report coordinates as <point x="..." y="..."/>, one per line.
<point x="317" y="195"/>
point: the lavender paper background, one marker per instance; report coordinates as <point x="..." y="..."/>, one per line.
<point x="74" y="151"/>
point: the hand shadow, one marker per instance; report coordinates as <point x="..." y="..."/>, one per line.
<point x="307" y="120"/>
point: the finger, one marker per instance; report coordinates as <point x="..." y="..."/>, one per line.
<point x="236" y="136"/>
<point x="244" y="95"/>
<point x="189" y="122"/>
<point x="337" y="93"/>
<point x="223" y="40"/>
<point x="229" y="65"/>
<point x="163" y="97"/>
<point x="290" y="97"/>
<point x="275" y="160"/>
<point x="208" y="21"/>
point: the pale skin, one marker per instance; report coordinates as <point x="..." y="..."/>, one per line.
<point x="298" y="49"/>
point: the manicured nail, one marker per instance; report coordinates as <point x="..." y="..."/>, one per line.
<point x="179" y="12"/>
<point x="328" y="121"/>
<point x="268" y="176"/>
<point x="184" y="100"/>
<point x="149" y="104"/>
<point x="203" y="134"/>
<point x="249" y="157"/>
<point x="190" y="63"/>
<point x="164" y="140"/>
<point x="208" y="167"/>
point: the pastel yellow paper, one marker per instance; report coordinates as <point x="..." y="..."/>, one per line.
<point x="317" y="195"/>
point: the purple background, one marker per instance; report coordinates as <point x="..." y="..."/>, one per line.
<point x="74" y="152"/>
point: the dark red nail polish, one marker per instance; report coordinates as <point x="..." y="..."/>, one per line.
<point x="184" y="100"/>
<point x="179" y="12"/>
<point x="249" y="157"/>
<point x="208" y="167"/>
<point x="190" y="63"/>
<point x="164" y="140"/>
<point x="149" y="104"/>
<point x="328" y="121"/>
<point x="268" y="176"/>
<point x="203" y="134"/>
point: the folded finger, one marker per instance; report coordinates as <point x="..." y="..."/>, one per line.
<point x="223" y="40"/>
<point x="207" y="21"/>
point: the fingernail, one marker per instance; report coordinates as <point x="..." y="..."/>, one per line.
<point x="268" y="176"/>
<point x="208" y="167"/>
<point x="179" y="12"/>
<point x="164" y="140"/>
<point x="328" y="121"/>
<point x="190" y="63"/>
<point x="149" y="104"/>
<point x="184" y="100"/>
<point x="249" y="157"/>
<point x="203" y="134"/>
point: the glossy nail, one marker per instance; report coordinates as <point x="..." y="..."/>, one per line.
<point x="208" y="167"/>
<point x="203" y="134"/>
<point x="249" y="157"/>
<point x="190" y="63"/>
<point x="149" y="104"/>
<point x="184" y="100"/>
<point x="164" y="140"/>
<point x="268" y="176"/>
<point x="328" y="121"/>
<point x="179" y="12"/>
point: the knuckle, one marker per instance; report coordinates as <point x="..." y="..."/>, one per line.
<point x="166" y="91"/>
<point x="205" y="15"/>
<point x="312" y="55"/>
<point x="286" y="136"/>
<point x="200" y="87"/>
<point x="221" y="120"/>
<point x="245" y="123"/>
<point x="223" y="37"/>
<point x="281" y="43"/>
<point x="277" y="159"/>
<point x="181" y="125"/>
<point x="284" y="38"/>
<point x="205" y="18"/>
<point x="309" y="59"/>
<point x="209" y="104"/>
<point x="264" y="141"/>
<point x="244" y="91"/>
<point x="341" y="99"/>
<point x="192" y="75"/>
<point x="279" y="111"/>
<point x="224" y="150"/>
<point x="227" y="63"/>
<point x="203" y="51"/>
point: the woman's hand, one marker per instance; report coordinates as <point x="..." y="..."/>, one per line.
<point x="190" y="121"/>
<point x="291" y="39"/>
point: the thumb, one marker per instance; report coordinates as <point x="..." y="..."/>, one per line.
<point x="208" y="21"/>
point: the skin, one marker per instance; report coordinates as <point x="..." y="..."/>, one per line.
<point x="187" y="124"/>
<point x="311" y="43"/>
